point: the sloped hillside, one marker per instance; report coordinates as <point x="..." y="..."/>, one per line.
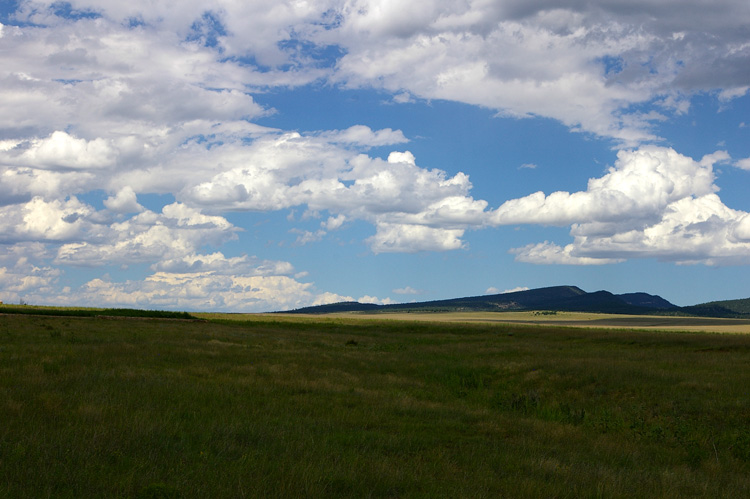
<point x="563" y="298"/>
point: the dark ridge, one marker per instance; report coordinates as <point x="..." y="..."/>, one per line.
<point x="647" y="300"/>
<point x="555" y="298"/>
<point x="344" y="306"/>
<point x="726" y="308"/>
<point x="598" y="301"/>
<point x="517" y="300"/>
<point x="562" y="298"/>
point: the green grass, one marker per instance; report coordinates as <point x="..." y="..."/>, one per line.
<point x="94" y="407"/>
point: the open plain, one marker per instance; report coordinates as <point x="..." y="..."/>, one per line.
<point x="570" y="319"/>
<point x="282" y="406"/>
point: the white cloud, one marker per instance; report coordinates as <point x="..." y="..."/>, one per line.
<point x="638" y="188"/>
<point x="306" y="236"/>
<point x="289" y="170"/>
<point x="691" y="230"/>
<point x="129" y="79"/>
<point x="404" y="238"/>
<point x="408" y="290"/>
<point x="368" y="299"/>
<point x="514" y="67"/>
<point x="334" y="223"/>
<point x="191" y="282"/>
<point x="403" y="98"/>
<point x="64" y="151"/>
<point x="741" y="231"/>
<point x="405" y="157"/>
<point x="178" y="231"/>
<point x="548" y="254"/>
<point x="40" y="220"/>
<point x="21" y="184"/>
<point x="125" y="201"/>
<point x="743" y="163"/>
<point x="216" y="263"/>
<point x="583" y="65"/>
<point x="733" y="93"/>
<point x="95" y="104"/>
<point x="327" y="298"/>
<point x="654" y="203"/>
<point x="494" y="290"/>
<point x="199" y="291"/>
<point x="365" y="136"/>
<point x="24" y="279"/>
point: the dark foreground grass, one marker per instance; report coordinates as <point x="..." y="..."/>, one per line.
<point x="93" y="407"/>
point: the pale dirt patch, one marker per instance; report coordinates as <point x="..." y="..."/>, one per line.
<point x="225" y="343"/>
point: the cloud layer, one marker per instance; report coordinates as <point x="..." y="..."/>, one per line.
<point x="135" y="98"/>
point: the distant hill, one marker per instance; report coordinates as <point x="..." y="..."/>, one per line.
<point x="332" y="308"/>
<point x="728" y="308"/>
<point x="647" y="300"/>
<point x="560" y="298"/>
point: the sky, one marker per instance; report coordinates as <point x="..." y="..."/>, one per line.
<point x="267" y="155"/>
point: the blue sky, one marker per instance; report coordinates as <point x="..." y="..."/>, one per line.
<point x="269" y="155"/>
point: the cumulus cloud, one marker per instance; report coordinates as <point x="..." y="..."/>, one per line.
<point x="217" y="263"/>
<point x="375" y="300"/>
<point x="653" y="203"/>
<point x="405" y="238"/>
<point x="549" y="253"/>
<point x="741" y="231"/>
<point x="40" y="220"/>
<point x="328" y="298"/>
<point x="334" y="223"/>
<point x="64" y="151"/>
<point x="399" y="197"/>
<point x="191" y="281"/>
<point x="23" y="279"/>
<point x="125" y="201"/>
<point x="743" y="163"/>
<point x="176" y="232"/>
<point x="199" y="291"/>
<point x="639" y="187"/>
<point x="691" y="230"/>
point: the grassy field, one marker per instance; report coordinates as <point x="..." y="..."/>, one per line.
<point x="288" y="407"/>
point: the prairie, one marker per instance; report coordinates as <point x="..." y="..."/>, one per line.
<point x="572" y="319"/>
<point x="276" y="406"/>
